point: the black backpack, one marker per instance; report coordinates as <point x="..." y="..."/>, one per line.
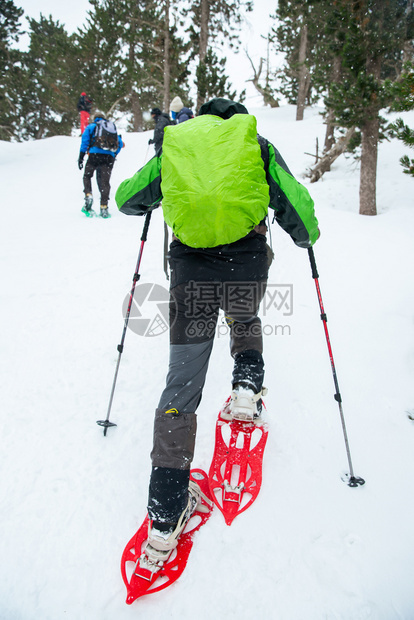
<point x="106" y="136"/>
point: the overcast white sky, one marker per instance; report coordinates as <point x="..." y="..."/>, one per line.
<point x="73" y="14"/>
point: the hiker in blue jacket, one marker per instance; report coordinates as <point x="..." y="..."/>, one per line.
<point x="102" y="142"/>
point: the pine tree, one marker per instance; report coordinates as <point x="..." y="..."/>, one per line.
<point x="298" y="36"/>
<point x="402" y="94"/>
<point x="212" y="22"/>
<point x="212" y="81"/>
<point x="47" y="96"/>
<point x="371" y="36"/>
<point x="10" y="69"/>
<point x="108" y="48"/>
<point x="123" y="52"/>
<point x="355" y="49"/>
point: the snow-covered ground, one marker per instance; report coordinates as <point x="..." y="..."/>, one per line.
<point x="310" y="548"/>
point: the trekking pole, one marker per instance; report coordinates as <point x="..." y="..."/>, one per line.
<point x="106" y="423"/>
<point x="352" y="480"/>
<point x="146" y="155"/>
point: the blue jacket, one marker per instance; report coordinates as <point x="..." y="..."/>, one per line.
<point x="184" y="115"/>
<point x="87" y="139"/>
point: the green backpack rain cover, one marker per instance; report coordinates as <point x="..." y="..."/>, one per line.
<point x="213" y="180"/>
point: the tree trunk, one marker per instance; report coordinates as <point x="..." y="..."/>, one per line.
<point x="368" y="174"/>
<point x="408" y="45"/>
<point x="40" y="129"/>
<point x="136" y="112"/>
<point x="167" y="77"/>
<point x="204" y="23"/>
<point x="135" y="104"/>
<point x="337" y="149"/>
<point x="330" y="124"/>
<point x="369" y="152"/>
<point x="304" y="76"/>
<point x="329" y="134"/>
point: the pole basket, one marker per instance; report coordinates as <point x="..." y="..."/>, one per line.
<point x="105" y="423"/>
<point x="353" y="481"/>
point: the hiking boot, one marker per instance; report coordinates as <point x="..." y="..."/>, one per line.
<point x="163" y="537"/>
<point x="88" y="202"/>
<point x="104" y="211"/>
<point x="245" y="405"/>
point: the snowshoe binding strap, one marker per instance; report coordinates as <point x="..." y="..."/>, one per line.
<point x="243" y="404"/>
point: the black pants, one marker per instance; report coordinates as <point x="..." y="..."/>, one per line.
<point x="233" y="278"/>
<point x="103" y="165"/>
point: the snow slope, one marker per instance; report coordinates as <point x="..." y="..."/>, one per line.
<point x="310" y="547"/>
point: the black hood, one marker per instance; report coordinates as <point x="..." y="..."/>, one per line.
<point x="222" y="107"/>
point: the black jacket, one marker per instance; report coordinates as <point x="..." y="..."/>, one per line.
<point x="161" y="121"/>
<point x="84" y="104"/>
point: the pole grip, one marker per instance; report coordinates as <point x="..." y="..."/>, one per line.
<point x="146" y="226"/>
<point x="315" y="274"/>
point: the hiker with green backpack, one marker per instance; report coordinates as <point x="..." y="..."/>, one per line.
<point x="216" y="178"/>
<point x="102" y="142"/>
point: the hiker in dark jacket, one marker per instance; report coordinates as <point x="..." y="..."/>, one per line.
<point x="161" y="121"/>
<point x="218" y="179"/>
<point x="84" y="109"/>
<point x="179" y="112"/>
<point x="100" y="159"/>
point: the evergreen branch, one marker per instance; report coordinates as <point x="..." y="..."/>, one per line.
<point x="408" y="164"/>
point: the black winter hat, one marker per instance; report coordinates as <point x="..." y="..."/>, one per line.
<point x="155" y="112"/>
<point x="222" y="107"/>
